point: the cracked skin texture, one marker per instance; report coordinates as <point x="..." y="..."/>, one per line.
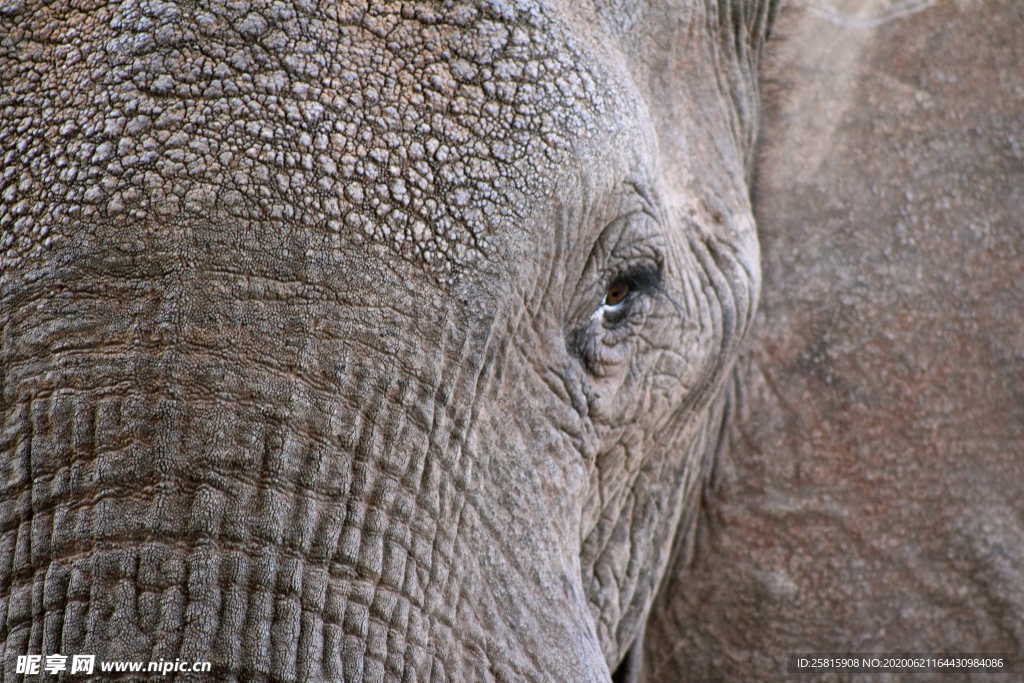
<point x="305" y="365"/>
<point x="422" y="124"/>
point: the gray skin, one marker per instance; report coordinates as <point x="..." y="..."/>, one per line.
<point x="305" y="368"/>
<point x="870" y="495"/>
<point x="310" y="366"/>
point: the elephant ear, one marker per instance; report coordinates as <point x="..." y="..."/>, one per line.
<point x="872" y="472"/>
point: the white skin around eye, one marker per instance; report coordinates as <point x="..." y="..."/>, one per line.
<point x="606" y="308"/>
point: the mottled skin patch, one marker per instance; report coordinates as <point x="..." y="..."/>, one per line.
<point x="871" y="497"/>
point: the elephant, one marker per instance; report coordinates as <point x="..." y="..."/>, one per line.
<point x="417" y="341"/>
<point x="365" y="341"/>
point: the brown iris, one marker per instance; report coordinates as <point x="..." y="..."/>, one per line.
<point x="616" y="294"/>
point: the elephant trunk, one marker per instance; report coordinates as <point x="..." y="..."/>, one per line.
<point x="256" y="470"/>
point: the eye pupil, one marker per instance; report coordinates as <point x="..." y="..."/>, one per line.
<point x="616" y="293"/>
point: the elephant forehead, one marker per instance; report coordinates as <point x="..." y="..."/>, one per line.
<point x="413" y="126"/>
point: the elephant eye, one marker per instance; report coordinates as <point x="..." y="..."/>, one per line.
<point x="617" y="293"/>
<point x="623" y="289"/>
<point x="621" y="313"/>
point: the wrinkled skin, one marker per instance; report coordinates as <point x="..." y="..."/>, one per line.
<point x="871" y="496"/>
<point x="305" y="368"/>
<point x="313" y="361"/>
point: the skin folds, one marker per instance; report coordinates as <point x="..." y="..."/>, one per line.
<point x="365" y="342"/>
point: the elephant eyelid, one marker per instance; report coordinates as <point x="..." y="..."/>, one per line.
<point x="643" y="278"/>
